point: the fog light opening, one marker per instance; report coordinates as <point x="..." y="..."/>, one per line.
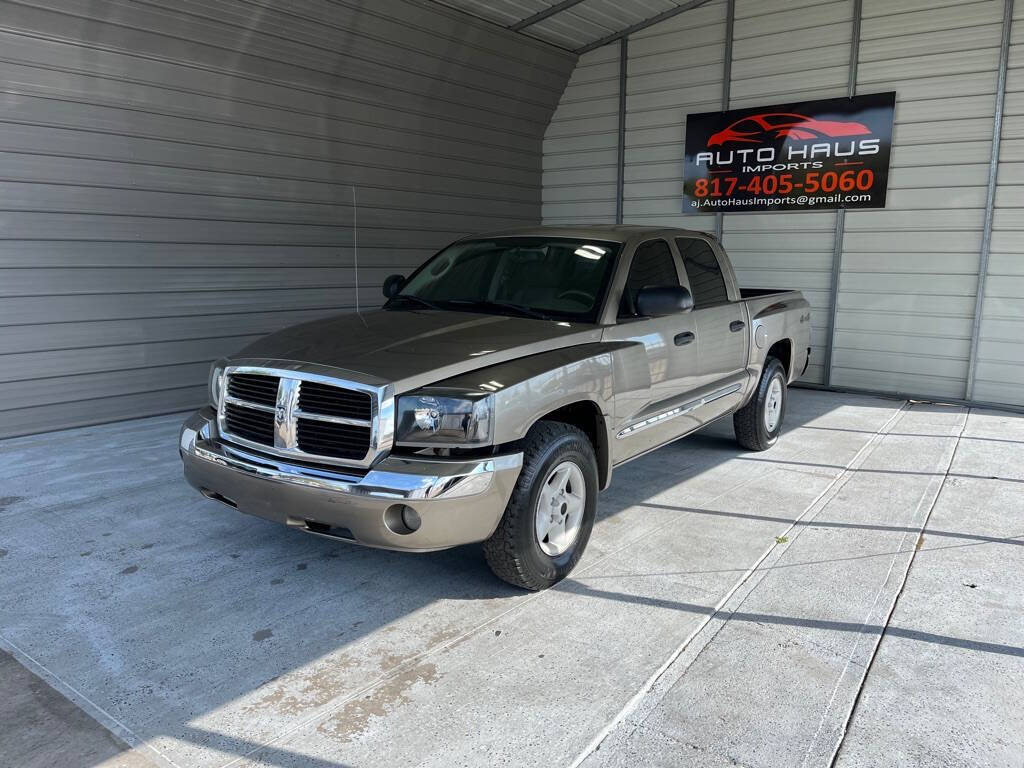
<point x="402" y="519"/>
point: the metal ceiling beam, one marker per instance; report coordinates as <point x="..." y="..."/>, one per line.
<point x="641" y="25"/>
<point x="620" y="183"/>
<point x="541" y="15"/>
<point x="730" y="28"/>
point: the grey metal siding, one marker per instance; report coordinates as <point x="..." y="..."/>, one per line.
<point x="177" y="178"/>
<point x="909" y="272"/>
<point x="581" y="143"/>
<point x="783" y="53"/>
<point x="999" y="376"/>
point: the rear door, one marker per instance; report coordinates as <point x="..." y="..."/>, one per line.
<point x="720" y="326"/>
<point x="655" y="379"/>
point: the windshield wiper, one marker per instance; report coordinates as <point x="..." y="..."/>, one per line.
<point x="409" y="297"/>
<point x="518" y="309"/>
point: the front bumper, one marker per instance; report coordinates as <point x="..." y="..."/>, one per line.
<point x="459" y="501"/>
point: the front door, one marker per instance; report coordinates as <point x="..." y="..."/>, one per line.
<point x="656" y="375"/>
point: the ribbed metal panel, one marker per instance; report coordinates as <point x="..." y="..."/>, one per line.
<point x="999" y="375"/>
<point x="789" y="52"/>
<point x="581" y="142"/>
<point x="176" y="178"/>
<point x="594" y="19"/>
<point x="571" y="27"/>
<point x="909" y="272"/>
<point x="504" y="12"/>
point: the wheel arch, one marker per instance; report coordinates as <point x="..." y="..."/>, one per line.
<point x="586" y="415"/>
<point x="782" y="350"/>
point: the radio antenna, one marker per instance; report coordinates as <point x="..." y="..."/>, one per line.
<point x="355" y="242"/>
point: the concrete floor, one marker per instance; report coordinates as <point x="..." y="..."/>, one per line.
<point x="773" y="609"/>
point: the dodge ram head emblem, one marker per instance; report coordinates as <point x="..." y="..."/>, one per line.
<point x="280" y="412"/>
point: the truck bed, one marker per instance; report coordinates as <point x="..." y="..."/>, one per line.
<point x="756" y="293"/>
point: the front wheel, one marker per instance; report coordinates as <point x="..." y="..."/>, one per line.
<point x="759" y="422"/>
<point x="551" y="512"/>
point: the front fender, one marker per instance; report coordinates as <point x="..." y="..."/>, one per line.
<point x="529" y="388"/>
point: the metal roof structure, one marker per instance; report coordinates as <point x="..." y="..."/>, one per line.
<point x="575" y="25"/>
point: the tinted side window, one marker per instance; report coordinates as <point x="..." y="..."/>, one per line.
<point x="707" y="284"/>
<point x="652" y="265"/>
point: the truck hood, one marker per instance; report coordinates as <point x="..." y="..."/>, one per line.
<point x="412" y="348"/>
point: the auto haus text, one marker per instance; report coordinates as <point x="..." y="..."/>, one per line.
<point x="790" y="158"/>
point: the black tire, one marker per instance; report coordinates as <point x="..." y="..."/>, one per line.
<point x="512" y="551"/>
<point x="749" y="421"/>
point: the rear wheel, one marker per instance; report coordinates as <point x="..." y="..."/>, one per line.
<point x="759" y="422"/>
<point x="551" y="512"/>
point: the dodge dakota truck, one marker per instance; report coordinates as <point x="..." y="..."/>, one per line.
<point x="495" y="392"/>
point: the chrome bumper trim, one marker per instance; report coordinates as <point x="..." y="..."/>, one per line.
<point x="398" y="479"/>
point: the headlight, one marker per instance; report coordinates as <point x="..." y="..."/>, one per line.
<point x="444" y="419"/>
<point x="216" y="382"/>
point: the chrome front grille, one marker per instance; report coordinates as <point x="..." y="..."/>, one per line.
<point x="306" y="416"/>
<point x="326" y="400"/>
<point x="254" y="388"/>
<point x="340" y="441"/>
<point x="250" y="423"/>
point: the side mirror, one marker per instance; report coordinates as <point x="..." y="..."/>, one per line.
<point x="660" y="300"/>
<point x="392" y="285"/>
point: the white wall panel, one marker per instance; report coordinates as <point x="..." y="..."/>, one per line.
<point x="999" y="375"/>
<point x="909" y="272"/>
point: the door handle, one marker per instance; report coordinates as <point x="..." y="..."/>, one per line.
<point x="737" y="325"/>
<point x="684" y="338"/>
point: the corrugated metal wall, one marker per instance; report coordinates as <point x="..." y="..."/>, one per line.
<point x="581" y="143"/>
<point x="908" y="272"/>
<point x="786" y="51"/>
<point x="999" y="376"/>
<point x="174" y="178"/>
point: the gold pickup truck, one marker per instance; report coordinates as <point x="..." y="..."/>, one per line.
<point x="493" y="394"/>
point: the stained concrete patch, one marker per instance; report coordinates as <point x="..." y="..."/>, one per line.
<point x="312" y="688"/>
<point x="354" y="718"/>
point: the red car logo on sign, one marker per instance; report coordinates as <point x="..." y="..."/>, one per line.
<point x="758" y="129"/>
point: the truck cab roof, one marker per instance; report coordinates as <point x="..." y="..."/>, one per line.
<point x="619" y="233"/>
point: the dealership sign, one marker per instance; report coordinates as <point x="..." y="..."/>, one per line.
<point x="811" y="155"/>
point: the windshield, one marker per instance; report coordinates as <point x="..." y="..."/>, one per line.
<point x="542" y="277"/>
